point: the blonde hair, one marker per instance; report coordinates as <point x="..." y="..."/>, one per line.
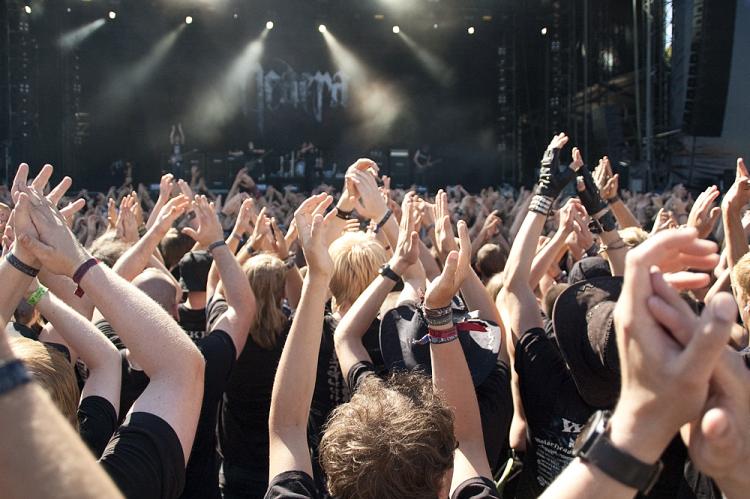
<point x="393" y="439"/>
<point x="741" y="275"/>
<point x="632" y="236"/>
<point x="50" y="369"/>
<point x="495" y="285"/>
<point x="267" y="276"/>
<point x="357" y="258"/>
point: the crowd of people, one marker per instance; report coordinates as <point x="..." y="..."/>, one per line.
<point x="573" y="341"/>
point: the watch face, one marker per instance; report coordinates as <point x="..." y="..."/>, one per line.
<point x="585" y="439"/>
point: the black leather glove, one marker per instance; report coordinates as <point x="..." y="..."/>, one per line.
<point x="551" y="182"/>
<point x="602" y="219"/>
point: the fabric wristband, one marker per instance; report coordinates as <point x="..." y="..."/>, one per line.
<point x="217" y="244"/>
<point x="12" y="375"/>
<point x="438" y="336"/>
<point x="387" y="272"/>
<point x="20" y="266"/>
<point x="78" y="274"/>
<point x="37" y="296"/>
<point x="383" y="221"/>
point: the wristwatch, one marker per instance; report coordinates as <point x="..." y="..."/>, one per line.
<point x="594" y="446"/>
<point x="387" y="272"/>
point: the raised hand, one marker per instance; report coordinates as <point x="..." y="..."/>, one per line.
<point x="663" y="384"/>
<point x="441" y="291"/>
<point x="127" y="224"/>
<point x="171" y="211"/>
<point x="260" y="240"/>
<point x="406" y="252"/>
<point x="446" y="240"/>
<point x="311" y="226"/>
<point x="738" y="195"/>
<point x="719" y="441"/>
<point x="51" y="242"/>
<point x="278" y="242"/>
<point x="209" y="229"/>
<point x="702" y="216"/>
<point x="605" y="180"/>
<point x="370" y="203"/>
<point x="246" y="218"/>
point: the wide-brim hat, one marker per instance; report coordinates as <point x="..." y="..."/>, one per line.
<point x="588" y="268"/>
<point x="403" y="326"/>
<point x="583" y="320"/>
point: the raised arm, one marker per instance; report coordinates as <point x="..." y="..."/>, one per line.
<point x="450" y="374"/>
<point x="137" y="257"/>
<point x="551" y="250"/>
<point x="237" y="318"/>
<point x="295" y="376"/>
<point x="609" y="186"/>
<point x="98" y="353"/>
<point x="664" y="385"/>
<point x="354" y="324"/>
<point x="523" y="310"/>
<point x="172" y="362"/>
<point x="472" y="289"/>
<point x="731" y="209"/>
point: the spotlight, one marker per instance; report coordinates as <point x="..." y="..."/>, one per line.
<point x="236" y="16"/>
<point x="322" y="28"/>
<point x="27" y="9"/>
<point x="396" y="30"/>
<point x="435" y="26"/>
<point x="112" y="14"/>
<point x="544" y="31"/>
<point x="189" y="20"/>
<point x="269" y="25"/>
<point x="471" y="30"/>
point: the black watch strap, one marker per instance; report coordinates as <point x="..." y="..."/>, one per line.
<point x="620" y="465"/>
<point x="387" y="272"/>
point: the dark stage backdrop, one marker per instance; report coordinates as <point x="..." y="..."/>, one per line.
<point x="297" y="92"/>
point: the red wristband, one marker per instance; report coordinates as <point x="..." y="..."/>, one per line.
<point x="78" y="274"/>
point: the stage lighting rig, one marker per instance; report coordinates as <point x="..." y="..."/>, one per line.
<point x="27" y="9"/>
<point x="112" y="15"/>
<point x="189" y="20"/>
<point x="269" y="25"/>
<point x="471" y="30"/>
<point x="396" y="30"/>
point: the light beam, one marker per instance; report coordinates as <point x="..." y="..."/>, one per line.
<point x="438" y="69"/>
<point x="378" y="104"/>
<point x="227" y="96"/>
<point x="72" y="39"/>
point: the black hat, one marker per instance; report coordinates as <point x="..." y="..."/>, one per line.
<point x="194" y="267"/>
<point x="589" y="267"/>
<point x="403" y="326"/>
<point x="583" y="320"/>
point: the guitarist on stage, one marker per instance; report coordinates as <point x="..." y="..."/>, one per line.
<point x="422" y="163"/>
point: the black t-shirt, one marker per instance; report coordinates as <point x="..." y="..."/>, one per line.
<point x="106" y="328"/>
<point x="496" y="411"/>
<point x="202" y="474"/>
<point x="97" y="421"/>
<point x="330" y="387"/>
<point x="246" y="404"/>
<point x="134" y="381"/>
<point x="555" y="412"/>
<point x="144" y="458"/>
<point x="292" y="485"/>
<point x="476" y="488"/>
<point x="192" y="321"/>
